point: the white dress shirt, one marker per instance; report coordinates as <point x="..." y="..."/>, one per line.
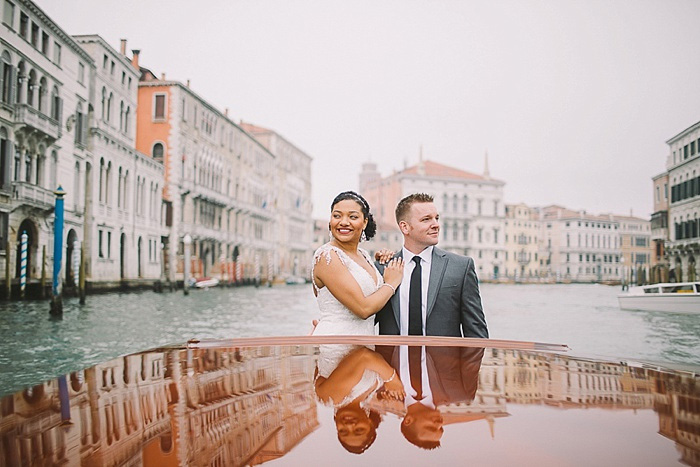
<point x="426" y="257"/>
<point x="405" y="375"/>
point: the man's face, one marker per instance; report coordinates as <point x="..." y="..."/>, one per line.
<point x="424" y="427"/>
<point x="421" y="228"/>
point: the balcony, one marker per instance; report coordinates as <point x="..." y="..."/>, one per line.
<point x="31" y="121"/>
<point x="33" y="195"/>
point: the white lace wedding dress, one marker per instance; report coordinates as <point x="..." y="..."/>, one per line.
<point x="337" y="319"/>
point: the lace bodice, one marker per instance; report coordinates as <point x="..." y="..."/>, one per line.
<point x="330" y="356"/>
<point x="336" y="318"/>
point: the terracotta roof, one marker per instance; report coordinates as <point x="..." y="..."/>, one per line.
<point x="254" y="129"/>
<point x="433" y="169"/>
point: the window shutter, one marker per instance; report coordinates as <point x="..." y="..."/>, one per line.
<point x="7" y="159"/>
<point x="12" y="86"/>
<point x="83" y="135"/>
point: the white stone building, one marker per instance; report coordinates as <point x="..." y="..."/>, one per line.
<point x="471" y="210"/>
<point x="293" y="204"/>
<point x="219" y="182"/>
<point x="577" y="246"/>
<point x="44" y="115"/>
<point x="683" y="166"/>
<point x="522" y="232"/>
<point x="123" y="222"/>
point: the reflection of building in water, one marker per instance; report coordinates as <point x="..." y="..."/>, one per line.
<point x="229" y="406"/>
<point x="177" y="407"/>
<point x="677" y="401"/>
<point x="298" y="409"/>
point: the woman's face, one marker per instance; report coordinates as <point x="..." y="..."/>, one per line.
<point x="347" y="221"/>
<point x="354" y="427"/>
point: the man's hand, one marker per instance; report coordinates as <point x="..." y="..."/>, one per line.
<point x="383" y="255"/>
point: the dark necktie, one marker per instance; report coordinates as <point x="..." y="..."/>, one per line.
<point x="414" y="366"/>
<point x="415" y="296"/>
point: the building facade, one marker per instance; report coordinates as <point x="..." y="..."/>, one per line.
<point x="123" y="228"/>
<point x="522" y="233"/>
<point x="472" y="212"/>
<point x="44" y="121"/>
<point x="577" y="246"/>
<point x="293" y="204"/>
<point x="683" y="168"/>
<point x="219" y="186"/>
<point x="659" y="229"/>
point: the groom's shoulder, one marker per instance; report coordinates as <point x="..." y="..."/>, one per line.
<point x="453" y="256"/>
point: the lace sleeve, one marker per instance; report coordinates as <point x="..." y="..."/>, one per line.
<point x="325" y="252"/>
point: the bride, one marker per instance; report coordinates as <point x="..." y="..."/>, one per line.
<point x="348" y="286"/>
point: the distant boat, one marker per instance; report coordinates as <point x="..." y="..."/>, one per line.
<point x="295" y="280"/>
<point x="206" y="282"/>
<point x="674" y="297"/>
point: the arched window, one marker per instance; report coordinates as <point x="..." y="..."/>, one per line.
<point x="104" y="104"/>
<point x="119" y="188"/>
<point x="31" y="87"/>
<point x="21" y="76"/>
<point x="28" y="159"/>
<point x="41" y="95"/>
<point x="109" y="107"/>
<point x="102" y="180"/>
<point x="55" y="105"/>
<point x="126" y="120"/>
<point x="5" y="157"/>
<point x="7" y="78"/>
<point x="108" y="182"/>
<point x="157" y="152"/>
<point x="121" y="116"/>
<point x="76" y="186"/>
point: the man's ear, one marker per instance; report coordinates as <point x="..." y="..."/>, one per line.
<point x="403" y="225"/>
<point x="408" y="420"/>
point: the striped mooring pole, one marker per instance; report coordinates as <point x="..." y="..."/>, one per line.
<point x="56" y="299"/>
<point x="24" y="239"/>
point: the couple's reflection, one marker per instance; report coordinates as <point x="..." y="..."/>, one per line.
<point x="433" y="377"/>
<point x="347" y="378"/>
<point x="420" y="380"/>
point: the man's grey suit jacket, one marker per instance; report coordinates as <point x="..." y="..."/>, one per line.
<point x="454" y="304"/>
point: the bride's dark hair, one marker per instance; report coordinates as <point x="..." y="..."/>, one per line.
<point x="371" y="228"/>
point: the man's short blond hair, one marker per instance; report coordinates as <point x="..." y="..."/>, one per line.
<point x="405" y="204"/>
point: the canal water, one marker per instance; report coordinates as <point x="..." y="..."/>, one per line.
<point x="34" y="347"/>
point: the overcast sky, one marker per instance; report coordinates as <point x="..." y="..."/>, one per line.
<point x="573" y="100"/>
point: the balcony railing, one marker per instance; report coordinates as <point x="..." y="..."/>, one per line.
<point x="27" y="116"/>
<point x="33" y="195"/>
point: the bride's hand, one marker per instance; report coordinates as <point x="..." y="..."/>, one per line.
<point x="394" y="390"/>
<point x="393" y="273"/>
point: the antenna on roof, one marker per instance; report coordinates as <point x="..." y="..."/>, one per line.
<point x="420" y="154"/>
<point x="486" y="164"/>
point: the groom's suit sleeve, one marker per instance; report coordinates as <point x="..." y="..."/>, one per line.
<point x="471" y="313"/>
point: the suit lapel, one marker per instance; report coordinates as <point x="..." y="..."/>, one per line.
<point x="437" y="270"/>
<point x="395" y="301"/>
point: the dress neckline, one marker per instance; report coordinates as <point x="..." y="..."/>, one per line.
<point x="375" y="277"/>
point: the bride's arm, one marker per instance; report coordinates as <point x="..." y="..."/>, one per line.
<point x="341" y="283"/>
<point x="349" y="372"/>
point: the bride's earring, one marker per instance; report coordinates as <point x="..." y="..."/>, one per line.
<point x="330" y="234"/>
<point x="363" y="237"/>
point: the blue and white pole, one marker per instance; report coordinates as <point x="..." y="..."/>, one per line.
<point x="76" y="262"/>
<point x="187" y="241"/>
<point x="56" y="300"/>
<point x="24" y="239"/>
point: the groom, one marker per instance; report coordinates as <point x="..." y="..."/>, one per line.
<point x="439" y="295"/>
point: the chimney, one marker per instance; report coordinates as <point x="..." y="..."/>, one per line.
<point x="188" y="83"/>
<point x="162" y="76"/>
<point x="135" y="58"/>
<point x="122" y="48"/>
<point x="226" y="111"/>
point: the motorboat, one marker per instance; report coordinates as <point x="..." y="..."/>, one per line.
<point x="206" y="282"/>
<point x="673" y="297"/>
<point x="251" y="401"/>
